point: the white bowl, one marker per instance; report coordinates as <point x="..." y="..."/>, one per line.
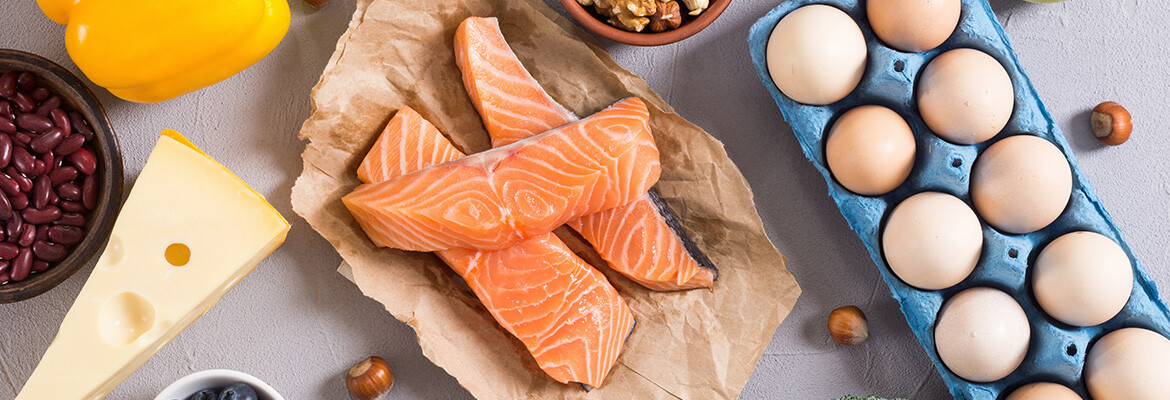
<point x="215" y="378"/>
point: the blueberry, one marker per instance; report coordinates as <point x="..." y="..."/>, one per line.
<point x="205" y="394"/>
<point x="238" y="391"/>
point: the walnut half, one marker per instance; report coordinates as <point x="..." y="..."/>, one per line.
<point x="666" y="18"/>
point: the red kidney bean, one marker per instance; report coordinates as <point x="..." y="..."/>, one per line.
<point x="72" y="206"/>
<point x="22" y="181"/>
<point x="65" y="234"/>
<point x="23" y="160"/>
<point x="7" y="126"/>
<point x="42" y="215"/>
<point x="41" y="190"/>
<point x="89" y="192"/>
<point x="69" y="145"/>
<point x="47" y="141"/>
<point x="50" y="162"/>
<point x="19" y="202"/>
<point x="5" y="150"/>
<point x="61" y="120"/>
<point x="38" y="168"/>
<point x="22" y="102"/>
<point x="39" y="94"/>
<point x="4" y="268"/>
<point x="6" y="109"/>
<point x="80" y="125"/>
<point x="21" y="139"/>
<point x="27" y="235"/>
<point x="27" y="81"/>
<point x="48" y="106"/>
<point x="40" y="266"/>
<point x="13" y="227"/>
<point x="83" y="160"/>
<point x="51" y="252"/>
<point x="54" y="199"/>
<point x="5" y="207"/>
<point x="62" y="175"/>
<point x="22" y="264"/>
<point x="68" y="191"/>
<point x="43" y="232"/>
<point x="8" y="251"/>
<point x="71" y="219"/>
<point x="33" y="122"/>
<point x="9" y="186"/>
<point x="8" y="83"/>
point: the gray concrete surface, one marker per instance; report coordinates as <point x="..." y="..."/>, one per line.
<point x="297" y="324"/>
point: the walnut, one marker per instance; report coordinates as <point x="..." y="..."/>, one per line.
<point x="666" y="18"/>
<point x="631" y="15"/>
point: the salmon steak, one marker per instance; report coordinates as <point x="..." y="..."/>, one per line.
<point x="642" y="240"/>
<point x="565" y="312"/>
<point x="495" y="199"/>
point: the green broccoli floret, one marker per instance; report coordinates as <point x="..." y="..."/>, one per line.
<point x="852" y="397"/>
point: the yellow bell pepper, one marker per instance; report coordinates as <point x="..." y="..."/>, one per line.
<point x="155" y="50"/>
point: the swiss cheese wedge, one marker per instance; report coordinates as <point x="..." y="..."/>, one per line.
<point x="189" y="231"/>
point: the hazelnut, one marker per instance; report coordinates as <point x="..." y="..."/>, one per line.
<point x="1111" y="123"/>
<point x="317" y="4"/>
<point x="666" y="17"/>
<point x="370" y="379"/>
<point x="848" y="326"/>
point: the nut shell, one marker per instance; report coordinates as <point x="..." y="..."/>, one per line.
<point x="1112" y="123"/>
<point x="370" y="379"/>
<point x="848" y="325"/>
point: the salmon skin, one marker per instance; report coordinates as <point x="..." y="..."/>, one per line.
<point x="642" y="240"/>
<point x="495" y="199"/>
<point x="565" y="312"/>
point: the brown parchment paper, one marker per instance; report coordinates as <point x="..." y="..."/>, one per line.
<point x="693" y="345"/>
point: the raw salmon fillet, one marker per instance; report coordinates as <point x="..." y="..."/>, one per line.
<point x="510" y="102"/>
<point x="566" y="313"/>
<point x="495" y="199"/>
<point x="640" y="240"/>
<point x="409" y="143"/>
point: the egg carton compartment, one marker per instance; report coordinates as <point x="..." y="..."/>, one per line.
<point x="1057" y="351"/>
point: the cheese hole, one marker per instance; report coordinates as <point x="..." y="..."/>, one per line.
<point x="178" y="254"/>
<point x="125" y="317"/>
<point x="114" y="250"/>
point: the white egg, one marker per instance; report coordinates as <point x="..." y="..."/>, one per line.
<point x="965" y="96"/>
<point x="1082" y="279"/>
<point x="913" y="25"/>
<point x="1021" y="184"/>
<point x="932" y="240"/>
<point x="870" y="150"/>
<point x="1127" y="364"/>
<point x="982" y="334"/>
<point x="1044" y="391"/>
<point x="816" y="54"/>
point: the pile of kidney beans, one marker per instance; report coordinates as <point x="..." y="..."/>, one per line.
<point x="47" y="180"/>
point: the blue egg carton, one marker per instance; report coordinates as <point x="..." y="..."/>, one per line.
<point x="1057" y="351"/>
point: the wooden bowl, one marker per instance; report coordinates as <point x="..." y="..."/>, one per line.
<point x="100" y="221"/>
<point x="594" y="22"/>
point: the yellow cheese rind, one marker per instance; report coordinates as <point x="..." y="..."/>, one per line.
<point x="135" y="301"/>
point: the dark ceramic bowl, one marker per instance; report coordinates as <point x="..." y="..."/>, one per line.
<point x="594" y="22"/>
<point x="105" y="145"/>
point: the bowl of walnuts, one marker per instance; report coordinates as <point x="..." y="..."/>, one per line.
<point x="645" y="22"/>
